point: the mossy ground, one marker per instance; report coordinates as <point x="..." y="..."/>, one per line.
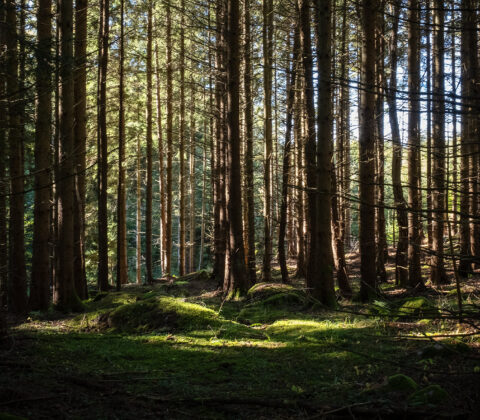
<point x="178" y="350"/>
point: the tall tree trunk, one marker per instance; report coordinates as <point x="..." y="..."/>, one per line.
<point x="310" y="144"/>
<point x="18" y="276"/>
<point x="191" y="238"/>
<point x="236" y="280"/>
<point x="64" y="293"/>
<point x="401" y="257"/>
<point x="429" y="123"/>
<point x="122" y="264"/>
<point x="220" y="228"/>
<point x="324" y="286"/>
<point x="382" y="246"/>
<point x="161" y="163"/>
<point x="267" y="87"/>
<point x="249" y="189"/>
<point x="149" y="197"/>
<point x="80" y="131"/>
<point x="454" y="122"/>
<point x="102" y="146"/>
<point x="168" y="214"/>
<point x="181" y="181"/>
<point x="40" y="285"/>
<point x="3" y="159"/>
<point x="468" y="27"/>
<point x="367" y="151"/>
<point x="415" y="204"/>
<point x="437" y="273"/>
<point x="139" y="217"/>
<point x="291" y="78"/>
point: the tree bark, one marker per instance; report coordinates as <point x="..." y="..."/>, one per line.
<point x="3" y="160"/>
<point x="437" y="273"/>
<point x="468" y="26"/>
<point x="415" y="204"/>
<point x="122" y="264"/>
<point x="102" y="146"/>
<point x="80" y="131"/>
<point x="17" y="269"/>
<point x="40" y="285"/>
<point x="236" y="281"/>
<point x="168" y="214"/>
<point x="324" y="286"/>
<point x="64" y="293"/>
<point x="367" y="152"/>
<point x="149" y="196"/>
<point x="267" y="38"/>
<point x="249" y="189"/>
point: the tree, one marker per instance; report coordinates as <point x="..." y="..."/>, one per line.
<point x="3" y="160"/>
<point x="102" y="145"/>
<point x="149" y="197"/>
<point x="80" y="132"/>
<point x="122" y="265"/>
<point x="437" y="273"/>
<point x="465" y="266"/>
<point x="17" y="269"/>
<point x="248" y="175"/>
<point x="324" y="288"/>
<point x="367" y="151"/>
<point x="64" y="293"/>
<point x="40" y="285"/>
<point x="236" y="281"/>
<point x="414" y="200"/>
<point x="181" y="151"/>
<point x="267" y="37"/>
<point x="168" y="213"/>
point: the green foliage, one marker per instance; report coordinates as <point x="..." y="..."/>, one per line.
<point x="433" y="394"/>
<point x="402" y="383"/>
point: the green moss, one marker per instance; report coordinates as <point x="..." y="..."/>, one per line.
<point x="160" y="313"/>
<point x="264" y="290"/>
<point x="7" y="416"/>
<point x="418" y="307"/>
<point x="433" y="394"/>
<point x="402" y="383"/>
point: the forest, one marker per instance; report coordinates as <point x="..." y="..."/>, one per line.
<point x="235" y="208"/>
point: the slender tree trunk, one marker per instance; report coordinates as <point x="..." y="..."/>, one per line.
<point x="149" y="197"/>
<point x="401" y="257"/>
<point x="437" y="273"/>
<point x="139" y="217"/>
<point x="367" y="151"/>
<point x="122" y="264"/>
<point x="454" y="123"/>
<point x="102" y="146"/>
<point x="429" y="124"/>
<point x="17" y="270"/>
<point x="3" y="159"/>
<point x="80" y="131"/>
<point x="310" y="145"/>
<point x="415" y="204"/>
<point x="182" y="183"/>
<point x="324" y="285"/>
<point x="161" y="164"/>
<point x="267" y="87"/>
<point x="236" y="280"/>
<point x="168" y="216"/>
<point x="191" y="239"/>
<point x="64" y="293"/>
<point x="382" y="246"/>
<point x="291" y="78"/>
<point x="40" y="285"/>
<point x="220" y="228"/>
<point x="468" y="26"/>
<point x="249" y="189"/>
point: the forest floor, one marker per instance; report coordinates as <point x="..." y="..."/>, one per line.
<point x="177" y="350"/>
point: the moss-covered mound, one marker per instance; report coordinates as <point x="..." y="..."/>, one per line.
<point x="271" y="301"/>
<point x="158" y="314"/>
<point x="409" y="308"/>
